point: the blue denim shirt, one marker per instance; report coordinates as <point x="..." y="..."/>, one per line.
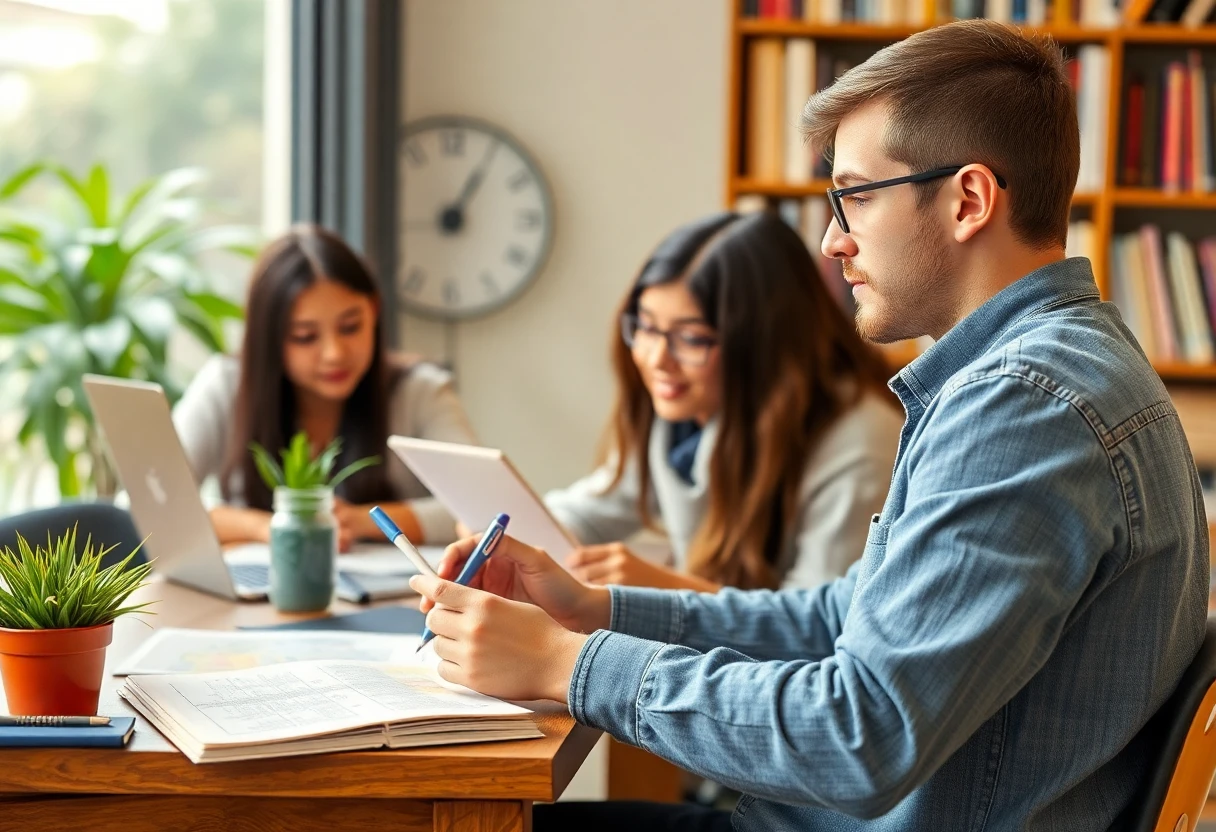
<point x="1029" y="596"/>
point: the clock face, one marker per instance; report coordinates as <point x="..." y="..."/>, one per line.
<point x="476" y="218"/>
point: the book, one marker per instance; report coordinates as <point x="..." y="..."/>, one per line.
<point x="115" y="735"/>
<point x="318" y="707"/>
<point x="799" y="84"/>
<point x="766" y="109"/>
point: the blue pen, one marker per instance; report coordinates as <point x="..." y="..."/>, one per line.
<point x="398" y="538"/>
<point x="485" y="547"/>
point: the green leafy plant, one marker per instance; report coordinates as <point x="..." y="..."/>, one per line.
<point x="92" y="281"/>
<point x="52" y="589"/>
<point x="300" y="470"/>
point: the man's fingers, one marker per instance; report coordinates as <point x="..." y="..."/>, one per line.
<point x="443" y="592"/>
<point x="443" y="621"/>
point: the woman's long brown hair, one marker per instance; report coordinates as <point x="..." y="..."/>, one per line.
<point x="791" y="363"/>
<point x="266" y="402"/>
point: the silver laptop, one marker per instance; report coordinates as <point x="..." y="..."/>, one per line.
<point x="138" y="428"/>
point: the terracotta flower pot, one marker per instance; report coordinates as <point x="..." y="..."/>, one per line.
<point x="54" y="672"/>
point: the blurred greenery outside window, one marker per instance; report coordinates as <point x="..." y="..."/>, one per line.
<point x="143" y="87"/>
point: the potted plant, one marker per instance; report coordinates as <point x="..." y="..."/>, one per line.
<point x="303" y="540"/>
<point x="57" y="616"/>
<point x="93" y="281"/>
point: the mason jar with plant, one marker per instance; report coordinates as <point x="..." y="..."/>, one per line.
<point x="303" y="534"/>
<point x="93" y="281"/>
<point x="57" y="615"/>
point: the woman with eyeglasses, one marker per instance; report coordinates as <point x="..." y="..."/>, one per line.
<point x="752" y="423"/>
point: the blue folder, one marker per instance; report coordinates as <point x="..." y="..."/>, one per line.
<point x="392" y="619"/>
<point x="114" y="735"/>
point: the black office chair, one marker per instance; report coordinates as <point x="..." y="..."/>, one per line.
<point x="107" y="524"/>
<point x="1179" y="747"/>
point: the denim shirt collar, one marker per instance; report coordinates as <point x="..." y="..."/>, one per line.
<point x="1055" y="284"/>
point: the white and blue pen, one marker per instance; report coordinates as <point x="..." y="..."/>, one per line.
<point x="485" y="547"/>
<point x="398" y="538"/>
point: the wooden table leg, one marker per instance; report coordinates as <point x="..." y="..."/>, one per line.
<point x="634" y="774"/>
<point x="483" y="816"/>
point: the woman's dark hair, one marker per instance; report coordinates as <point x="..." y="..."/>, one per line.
<point x="266" y="401"/>
<point x="791" y="363"/>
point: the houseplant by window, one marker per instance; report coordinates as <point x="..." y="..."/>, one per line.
<point x="97" y="282"/>
<point x="57" y="615"/>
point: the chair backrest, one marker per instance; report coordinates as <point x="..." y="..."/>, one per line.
<point x="1180" y="749"/>
<point x="107" y="524"/>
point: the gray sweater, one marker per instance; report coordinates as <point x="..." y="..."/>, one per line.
<point x="423" y="405"/>
<point x="844" y="484"/>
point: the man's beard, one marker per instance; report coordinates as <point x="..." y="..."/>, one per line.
<point x="913" y="298"/>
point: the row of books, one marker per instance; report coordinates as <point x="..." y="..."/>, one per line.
<point x="1168" y="140"/>
<point x="782" y="73"/>
<point x="879" y="12"/>
<point x="1165" y="286"/>
<point x="1095" y="13"/>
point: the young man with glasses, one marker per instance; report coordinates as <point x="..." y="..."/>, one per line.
<point x="1037" y="580"/>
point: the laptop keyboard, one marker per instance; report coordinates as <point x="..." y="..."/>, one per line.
<point x="251" y="576"/>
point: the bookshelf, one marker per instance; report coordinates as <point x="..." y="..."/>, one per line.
<point x="1110" y="206"/>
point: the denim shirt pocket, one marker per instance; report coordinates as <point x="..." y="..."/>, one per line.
<point x="875" y="551"/>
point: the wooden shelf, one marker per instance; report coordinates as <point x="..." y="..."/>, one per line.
<point x="1177" y="371"/>
<point x="843" y="31"/>
<point x="1168" y="34"/>
<point x="1156" y="198"/>
<point x="1147" y="34"/>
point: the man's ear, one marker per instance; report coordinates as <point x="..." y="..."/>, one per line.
<point x="975" y="193"/>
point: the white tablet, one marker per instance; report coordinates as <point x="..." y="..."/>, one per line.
<point x="476" y="484"/>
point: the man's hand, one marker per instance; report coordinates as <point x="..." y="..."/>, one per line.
<point x="521" y="573"/>
<point x="614" y="563"/>
<point x="501" y="648"/>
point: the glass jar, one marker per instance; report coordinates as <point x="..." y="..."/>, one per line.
<point x="303" y="550"/>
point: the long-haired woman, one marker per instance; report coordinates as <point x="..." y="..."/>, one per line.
<point x="752" y="422"/>
<point x="313" y="359"/>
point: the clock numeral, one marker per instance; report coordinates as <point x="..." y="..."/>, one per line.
<point x="519" y="180"/>
<point x="528" y="219"/>
<point x="415" y="154"/>
<point x="487" y="280"/>
<point x="452" y="142"/>
<point x="516" y="256"/>
<point x="414" y="281"/>
<point x="451" y="292"/>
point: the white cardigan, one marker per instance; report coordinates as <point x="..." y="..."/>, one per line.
<point x="424" y="405"/>
<point x="844" y="484"/>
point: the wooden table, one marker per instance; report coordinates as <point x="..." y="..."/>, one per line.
<point x="486" y="787"/>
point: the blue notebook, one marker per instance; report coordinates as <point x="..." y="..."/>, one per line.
<point x="114" y="735"/>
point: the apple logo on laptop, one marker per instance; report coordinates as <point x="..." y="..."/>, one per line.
<point x="154" y="486"/>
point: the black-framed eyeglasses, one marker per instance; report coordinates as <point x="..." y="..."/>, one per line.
<point x="688" y="347"/>
<point x="834" y="194"/>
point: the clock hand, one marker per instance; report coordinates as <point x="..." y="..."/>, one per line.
<point x="475" y="178"/>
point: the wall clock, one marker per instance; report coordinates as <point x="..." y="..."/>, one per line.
<point x="476" y="218"/>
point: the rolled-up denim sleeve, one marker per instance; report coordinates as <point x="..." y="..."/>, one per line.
<point x="956" y="606"/>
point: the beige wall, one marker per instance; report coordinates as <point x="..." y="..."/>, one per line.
<point x="623" y="105"/>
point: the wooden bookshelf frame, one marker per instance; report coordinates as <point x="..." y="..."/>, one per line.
<point x="1101" y="205"/>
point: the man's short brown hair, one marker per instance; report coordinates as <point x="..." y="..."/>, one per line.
<point x="974" y="91"/>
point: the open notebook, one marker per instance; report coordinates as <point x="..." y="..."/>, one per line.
<point x="316" y="707"/>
